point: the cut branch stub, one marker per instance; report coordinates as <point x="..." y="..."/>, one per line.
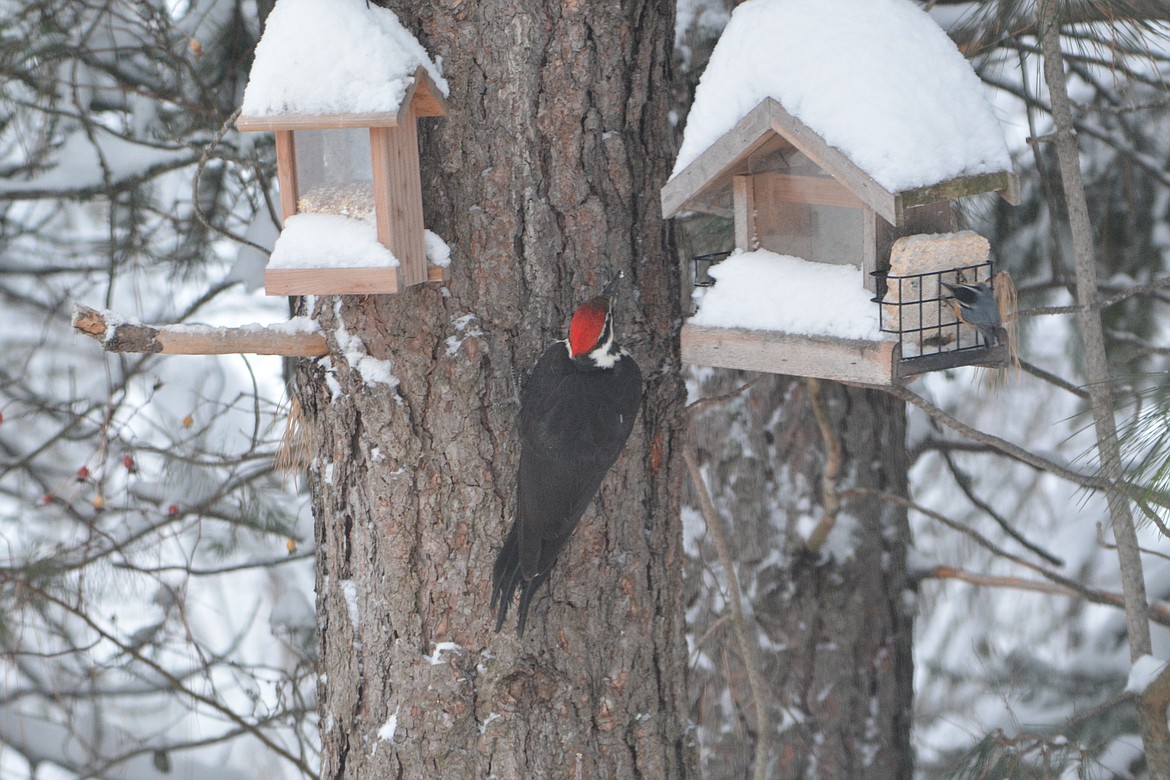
<point x="117" y="335"/>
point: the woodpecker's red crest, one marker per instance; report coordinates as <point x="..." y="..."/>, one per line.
<point x="588" y="326"/>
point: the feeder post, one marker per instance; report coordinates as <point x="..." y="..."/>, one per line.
<point x="286" y="172"/>
<point x="743" y="198"/>
<point x="398" y="195"/>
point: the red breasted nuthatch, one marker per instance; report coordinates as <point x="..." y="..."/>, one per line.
<point x="975" y="305"/>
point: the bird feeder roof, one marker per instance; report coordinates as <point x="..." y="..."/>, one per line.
<point x="338" y="63"/>
<point x="873" y="91"/>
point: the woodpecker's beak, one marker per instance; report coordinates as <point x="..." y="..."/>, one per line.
<point x="611" y="286"/>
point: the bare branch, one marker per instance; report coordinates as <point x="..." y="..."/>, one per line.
<point x="830" y="499"/>
<point x="1001" y="445"/>
<point x="1159" y="613"/>
<point x="747" y="643"/>
<point x="117" y="335"/>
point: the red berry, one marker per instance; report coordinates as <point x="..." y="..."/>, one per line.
<point x="46" y="499"/>
<point x="83" y="473"/>
<point x="128" y="462"/>
<point x="173" y="509"/>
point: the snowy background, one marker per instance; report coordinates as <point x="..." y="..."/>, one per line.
<point x="156" y="572"/>
<point x="1010" y="670"/>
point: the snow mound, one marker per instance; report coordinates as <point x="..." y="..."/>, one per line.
<point x="330" y="241"/>
<point x="332" y="57"/>
<point x="877" y="79"/>
<point x="762" y="290"/>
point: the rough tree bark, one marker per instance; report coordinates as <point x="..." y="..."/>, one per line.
<point x="835" y="628"/>
<point x="1151" y="719"/>
<point x="544" y="180"/>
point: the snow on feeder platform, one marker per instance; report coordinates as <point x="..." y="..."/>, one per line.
<point x="830" y="148"/>
<point x="342" y="85"/>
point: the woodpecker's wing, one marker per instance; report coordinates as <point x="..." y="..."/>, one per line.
<point x="574" y="424"/>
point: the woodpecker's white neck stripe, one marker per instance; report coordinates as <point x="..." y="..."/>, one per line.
<point x="604" y="355"/>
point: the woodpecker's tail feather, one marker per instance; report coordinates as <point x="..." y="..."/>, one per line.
<point x="526" y="593"/>
<point x="506" y="577"/>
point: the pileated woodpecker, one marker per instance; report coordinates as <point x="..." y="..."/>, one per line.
<point x="576" y="412"/>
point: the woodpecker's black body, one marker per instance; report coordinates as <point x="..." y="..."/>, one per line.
<point x="576" y="412"/>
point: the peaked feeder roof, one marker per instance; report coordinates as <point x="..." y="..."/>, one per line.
<point x="873" y="91"/>
<point x="338" y="63"/>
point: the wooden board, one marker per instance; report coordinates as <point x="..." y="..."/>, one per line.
<point x="744" y="201"/>
<point x="340" y="281"/>
<point x="330" y="281"/>
<point x="1004" y="182"/>
<point x="398" y="197"/>
<point x="772" y="187"/>
<point x="422" y="98"/>
<point x="694" y="186"/>
<point x="249" y="124"/>
<point x="869" y="253"/>
<point x="747" y="135"/>
<point x="286" y="172"/>
<point x="983" y="357"/>
<point x="832" y="161"/>
<point x="823" y="357"/>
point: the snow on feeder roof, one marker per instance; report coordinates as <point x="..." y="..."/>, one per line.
<point x="878" y="81"/>
<point x="342" y="84"/>
<point x="330" y="57"/>
<point x="833" y="131"/>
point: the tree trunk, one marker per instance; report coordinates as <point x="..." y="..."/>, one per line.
<point x="1151" y="720"/>
<point x="544" y="181"/>
<point x="834" y="627"/>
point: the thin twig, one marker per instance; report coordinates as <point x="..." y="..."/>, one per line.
<point x="1053" y="379"/>
<point x="1001" y="445"/>
<point x="203" y="160"/>
<point x="696" y="406"/>
<point x="1067" y="584"/>
<point x="178" y="684"/>
<point x="747" y="645"/>
<point x="1159" y="613"/>
<point x="830" y="500"/>
<point x="1108" y="546"/>
<point x="963" y="479"/>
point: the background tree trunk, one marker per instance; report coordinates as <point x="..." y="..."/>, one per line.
<point x="544" y="181"/>
<point x="835" y="629"/>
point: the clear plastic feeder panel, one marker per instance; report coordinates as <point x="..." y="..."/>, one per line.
<point x="334" y="173"/>
<point x="800" y="210"/>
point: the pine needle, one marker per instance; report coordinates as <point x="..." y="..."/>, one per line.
<point x="1006" y="301"/>
<point x="296" y="443"/>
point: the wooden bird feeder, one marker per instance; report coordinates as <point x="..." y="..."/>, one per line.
<point x="355" y="171"/>
<point x="790" y="192"/>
